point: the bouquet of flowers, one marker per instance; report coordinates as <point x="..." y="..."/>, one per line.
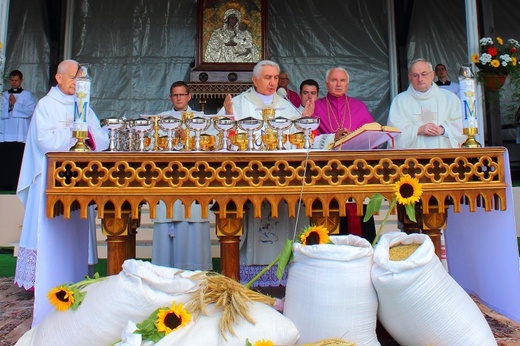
<point x="497" y="57"/>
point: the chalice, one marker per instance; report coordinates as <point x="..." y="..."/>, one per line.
<point x="224" y="125"/>
<point x="297" y="139"/>
<point x="141" y="126"/>
<point x="113" y="125"/>
<point x="280" y="124"/>
<point x="198" y="124"/>
<point x="307" y="125"/>
<point x="170" y="124"/>
<point x="240" y="140"/>
<point x="250" y="125"/>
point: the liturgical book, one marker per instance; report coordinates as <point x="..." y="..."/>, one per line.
<point x="368" y="136"/>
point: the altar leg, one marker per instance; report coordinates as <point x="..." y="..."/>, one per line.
<point x="119" y="234"/>
<point x="229" y="230"/>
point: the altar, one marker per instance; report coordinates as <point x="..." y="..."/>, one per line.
<point x="465" y="181"/>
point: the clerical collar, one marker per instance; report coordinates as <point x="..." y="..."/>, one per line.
<point x="15" y="91"/>
<point x="267" y="99"/>
<point x="440" y="83"/>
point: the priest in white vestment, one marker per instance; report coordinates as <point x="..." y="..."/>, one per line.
<point x="428" y="116"/>
<point x="52" y="251"/>
<point x="265" y="237"/>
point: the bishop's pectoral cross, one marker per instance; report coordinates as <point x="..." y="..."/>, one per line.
<point x="428" y="116"/>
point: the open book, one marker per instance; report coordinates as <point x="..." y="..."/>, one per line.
<point x="368" y="136"/>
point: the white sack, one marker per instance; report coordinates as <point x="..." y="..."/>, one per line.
<point x="137" y="291"/>
<point x="419" y="302"/>
<point x="329" y="293"/>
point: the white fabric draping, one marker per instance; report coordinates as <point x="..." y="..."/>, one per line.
<point x="482" y="253"/>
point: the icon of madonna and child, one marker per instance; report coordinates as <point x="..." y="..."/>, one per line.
<point x="232" y="42"/>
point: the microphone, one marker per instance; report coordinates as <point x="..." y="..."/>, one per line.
<point x="283" y="94"/>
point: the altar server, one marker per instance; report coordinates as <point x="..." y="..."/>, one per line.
<point x="52" y="251"/>
<point x="180" y="242"/>
<point x="17" y="108"/>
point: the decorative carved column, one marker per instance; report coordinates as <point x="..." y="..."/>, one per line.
<point x="120" y="233"/>
<point x="229" y="230"/>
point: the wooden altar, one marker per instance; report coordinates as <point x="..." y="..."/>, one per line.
<point x="120" y="182"/>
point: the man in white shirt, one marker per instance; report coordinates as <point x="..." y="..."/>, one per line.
<point x="179" y="242"/>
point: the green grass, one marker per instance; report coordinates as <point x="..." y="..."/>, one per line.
<point x="8" y="263"/>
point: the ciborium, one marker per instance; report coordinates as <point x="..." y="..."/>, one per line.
<point x="307" y="125"/>
<point x="250" y="125"/>
<point x="113" y="125"/>
<point x="279" y="125"/>
<point x="198" y="124"/>
<point x="297" y="139"/>
<point x="170" y="124"/>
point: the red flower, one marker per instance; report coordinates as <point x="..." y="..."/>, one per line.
<point x="492" y="51"/>
<point x="513" y="50"/>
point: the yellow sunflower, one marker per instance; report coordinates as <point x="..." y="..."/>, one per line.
<point x="263" y="342"/>
<point x="475" y="58"/>
<point x="313" y="235"/>
<point x="514" y="61"/>
<point x="61" y="297"/>
<point x="495" y="63"/>
<point x="171" y="319"/>
<point x="500" y="41"/>
<point x="408" y="190"/>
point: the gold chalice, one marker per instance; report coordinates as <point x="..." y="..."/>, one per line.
<point x="297" y="139"/>
<point x="270" y="140"/>
<point x="207" y="142"/>
<point x="268" y="113"/>
<point x="240" y="140"/>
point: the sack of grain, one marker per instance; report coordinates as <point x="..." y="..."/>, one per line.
<point x="329" y="293"/>
<point x="419" y="302"/>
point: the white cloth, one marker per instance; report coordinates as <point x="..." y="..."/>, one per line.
<point x="15" y="124"/>
<point x="52" y="251"/>
<point x="411" y="109"/>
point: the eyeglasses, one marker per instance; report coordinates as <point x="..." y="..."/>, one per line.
<point x="417" y="76"/>
<point x="178" y="95"/>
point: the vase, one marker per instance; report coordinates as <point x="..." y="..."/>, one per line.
<point x="494" y="82"/>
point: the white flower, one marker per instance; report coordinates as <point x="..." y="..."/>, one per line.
<point x="513" y="42"/>
<point x="485" y="58"/>
<point x="485" y="41"/>
<point x="505" y="59"/>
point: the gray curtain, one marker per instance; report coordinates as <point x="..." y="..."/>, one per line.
<point x="137" y="48"/>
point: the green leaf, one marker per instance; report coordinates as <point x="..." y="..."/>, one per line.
<point x="410" y="211"/>
<point x="78" y="298"/>
<point x="285" y="258"/>
<point x="373" y="206"/>
<point x="248" y="343"/>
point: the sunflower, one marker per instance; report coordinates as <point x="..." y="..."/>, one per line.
<point x="314" y="235"/>
<point x="500" y="41"/>
<point x="263" y="342"/>
<point x="171" y="319"/>
<point x="61" y="297"/>
<point x="513" y="60"/>
<point x="408" y="190"/>
<point x="475" y="58"/>
<point x="495" y="63"/>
